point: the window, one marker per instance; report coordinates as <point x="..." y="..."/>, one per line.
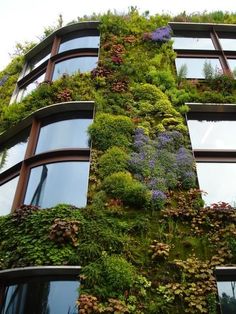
<point x="7" y="192"/>
<point x="73" y="48"/>
<point x="14" y="151"/>
<point x="50" y="162"/>
<point x="195" y="66"/>
<point x="226" y="285"/>
<point x="40" y="290"/>
<point x="196" y="43"/>
<point x="62" y="182"/>
<point x="74" y="41"/>
<point x="71" y="66"/>
<point x="213" y="142"/>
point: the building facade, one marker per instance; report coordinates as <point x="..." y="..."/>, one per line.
<point x="112" y="138"/>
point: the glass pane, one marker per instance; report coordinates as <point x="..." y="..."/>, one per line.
<point x="212" y="134"/>
<point x="227" y="296"/>
<point x="194" y="66"/>
<point x="7" y="192"/>
<point x="219" y="181"/>
<point x="232" y="65"/>
<point x="14" y="151"/>
<point x="38" y="60"/>
<point x="71" y="66"/>
<point x="63" y="182"/>
<point x="80" y="42"/>
<point x="40" y="296"/>
<point x="193" y="43"/>
<point x="228" y="44"/>
<point x="64" y="134"/>
<point x="32" y="86"/>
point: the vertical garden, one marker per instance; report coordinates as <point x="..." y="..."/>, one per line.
<point x="145" y="241"/>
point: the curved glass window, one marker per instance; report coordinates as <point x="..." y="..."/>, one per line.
<point x="71" y="66"/>
<point x="30" y="87"/>
<point x="195" y="66"/>
<point x="64" y="134"/>
<point x="61" y="182"/>
<point x="232" y="65"/>
<point x="14" y="151"/>
<point x="80" y="42"/>
<point x="214" y="134"/>
<point x="39" y="295"/>
<point x="193" y="43"/>
<point x="7" y="192"/>
<point x="219" y="181"/>
<point x="228" y="44"/>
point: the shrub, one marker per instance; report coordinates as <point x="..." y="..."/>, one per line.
<point x="114" y="160"/>
<point x="110" y="275"/>
<point x="108" y="130"/>
<point x="121" y="185"/>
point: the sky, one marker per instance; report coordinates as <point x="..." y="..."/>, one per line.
<point x="25" y="20"/>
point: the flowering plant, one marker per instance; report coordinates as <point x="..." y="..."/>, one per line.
<point x="162" y="163"/>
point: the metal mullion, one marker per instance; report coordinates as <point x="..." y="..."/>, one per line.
<point x="223" y="59"/>
<point x="24" y="171"/>
<point x="50" y="67"/>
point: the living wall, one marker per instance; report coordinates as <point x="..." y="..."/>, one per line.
<point x="145" y="242"/>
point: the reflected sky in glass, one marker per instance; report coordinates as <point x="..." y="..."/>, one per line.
<point x="228" y="44"/>
<point x="71" y="66"/>
<point x="32" y="86"/>
<point x="219" y="181"/>
<point x="42" y="296"/>
<point x="227" y="296"/>
<point x="195" y="66"/>
<point x="62" y="182"/>
<point x="7" y="192"/>
<point x="212" y="134"/>
<point x="80" y="42"/>
<point x="64" y="134"/>
<point x="232" y="65"/>
<point x="193" y="43"/>
<point x="14" y="152"/>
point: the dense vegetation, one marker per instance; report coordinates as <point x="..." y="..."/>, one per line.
<point x="145" y="242"/>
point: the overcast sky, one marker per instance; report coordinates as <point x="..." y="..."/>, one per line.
<point x="24" y="20"/>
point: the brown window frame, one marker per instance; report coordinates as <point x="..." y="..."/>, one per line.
<point x="30" y="160"/>
<point x="199" y="111"/>
<point x="47" y="67"/>
<point x="212" y="31"/>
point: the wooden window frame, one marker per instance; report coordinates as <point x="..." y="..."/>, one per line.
<point x="70" y="110"/>
<point x="48" y="65"/>
<point x="212" y="32"/>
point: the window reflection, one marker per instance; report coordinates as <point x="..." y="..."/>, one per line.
<point x="7" y="192"/>
<point x="62" y="182"/>
<point x="38" y="60"/>
<point x="64" y="134"/>
<point x="195" y="66"/>
<point x="80" y="42"/>
<point x="232" y="65"/>
<point x="71" y="66"/>
<point x="219" y="181"/>
<point x="228" y="44"/>
<point x="227" y="296"/>
<point x="193" y="43"/>
<point x="14" y="151"/>
<point x="212" y="134"/>
<point x="29" y="88"/>
<point x="41" y="296"/>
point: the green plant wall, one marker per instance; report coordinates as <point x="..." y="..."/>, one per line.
<point x="145" y="242"/>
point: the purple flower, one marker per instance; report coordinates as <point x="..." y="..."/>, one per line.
<point x="161" y="34"/>
<point x="156" y="194"/>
